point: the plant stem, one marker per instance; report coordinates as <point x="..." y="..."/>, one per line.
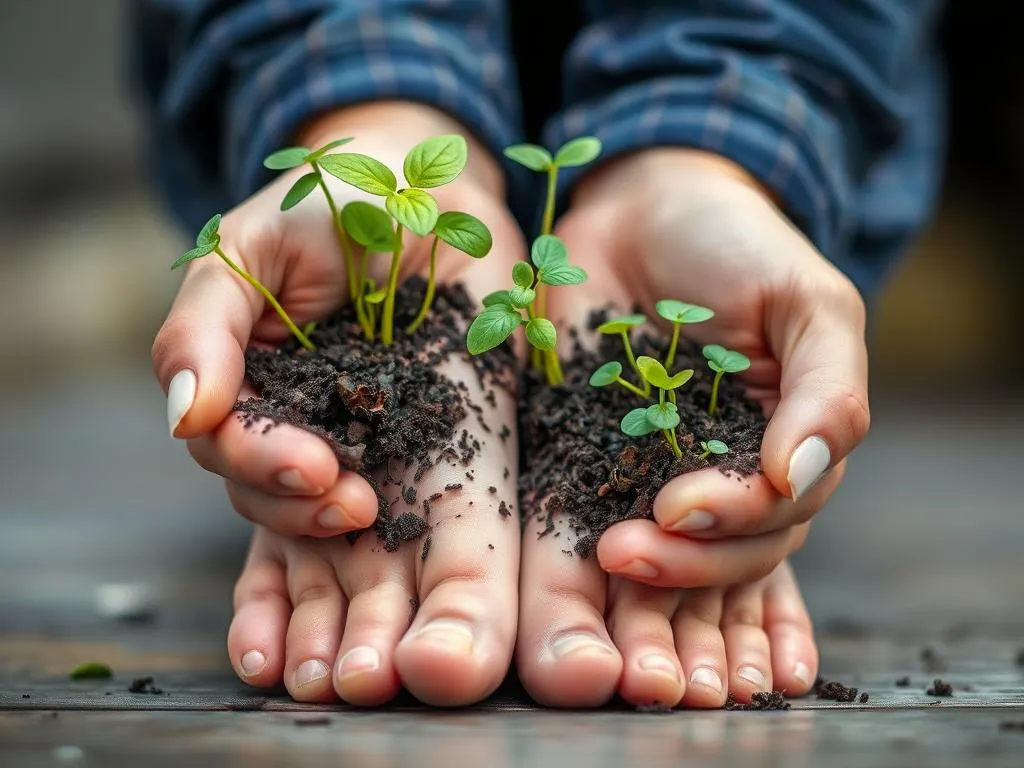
<point x="547" y="224"/>
<point x="387" y="326"/>
<point x="537" y="360"/>
<point x="661" y="396"/>
<point x="270" y="299"/>
<point x="671" y="358"/>
<point x="714" y="393"/>
<point x="355" y="285"/>
<point x="707" y="452"/>
<point x="428" y="297"/>
<point x="670" y="435"/>
<point x="368" y="313"/>
<point x="553" y="369"/>
<point x="631" y="387"/>
<point x="672" y="395"/>
<point x="632" y="362"/>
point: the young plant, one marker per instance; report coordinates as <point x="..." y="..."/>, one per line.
<point x="621" y="326"/>
<point x="716" y="447"/>
<point x="504" y="310"/>
<point x="207" y="242"/>
<point x="723" y="361"/>
<point x="611" y="373"/>
<point x="664" y="415"/>
<point x="679" y="313"/>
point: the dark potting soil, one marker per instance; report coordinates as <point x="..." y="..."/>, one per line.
<point x="833" y="690"/>
<point x="591" y="473"/>
<point x="760" y="700"/>
<point x="383" y="410"/>
<point x="144" y="685"/>
<point x="940" y="688"/>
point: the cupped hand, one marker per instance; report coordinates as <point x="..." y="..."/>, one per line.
<point x="687" y="225"/>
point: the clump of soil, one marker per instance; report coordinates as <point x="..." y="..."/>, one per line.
<point x="383" y="410"/>
<point x="903" y="682"/>
<point x="144" y="685"/>
<point x="940" y="688"/>
<point x="833" y="690"/>
<point x="591" y="473"/>
<point x="760" y="700"/>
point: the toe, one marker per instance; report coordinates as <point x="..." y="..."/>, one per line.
<point x="788" y="624"/>
<point x="640" y="627"/>
<point x="701" y="647"/>
<point x="746" y="643"/>
<point x="314" y="632"/>
<point x="256" y="639"/>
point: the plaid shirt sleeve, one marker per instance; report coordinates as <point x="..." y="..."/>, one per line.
<point x="228" y="82"/>
<point x="837" y="106"/>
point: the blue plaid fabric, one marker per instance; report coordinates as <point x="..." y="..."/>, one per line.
<point x="837" y="105"/>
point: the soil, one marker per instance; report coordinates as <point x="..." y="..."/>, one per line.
<point x="940" y="688"/>
<point x="833" y="690"/>
<point x="144" y="685"/>
<point x="383" y="410"/>
<point x="591" y="473"/>
<point x="760" y="700"/>
<point x="903" y="682"/>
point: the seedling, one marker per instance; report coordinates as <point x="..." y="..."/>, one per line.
<point x="611" y="373"/>
<point x="207" y="242"/>
<point x="621" y="326"/>
<point x="679" y="313"/>
<point x="723" y="361"/>
<point x="91" y="670"/>
<point x="716" y="447"/>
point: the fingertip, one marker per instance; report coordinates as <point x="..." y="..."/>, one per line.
<point x="358" y="498"/>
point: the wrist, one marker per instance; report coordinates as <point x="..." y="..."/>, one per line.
<point x="405" y="124"/>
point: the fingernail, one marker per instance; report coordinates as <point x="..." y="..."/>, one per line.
<point x="707" y="677"/>
<point x="638" y="569"/>
<point x="310" y="671"/>
<point x="293" y="480"/>
<point x="360" y="659"/>
<point x="333" y="518"/>
<point x="253" y="663"/>
<point x="450" y="634"/>
<point x="580" y="643"/>
<point x="181" y="393"/>
<point x="752" y="676"/>
<point x="655" y="662"/>
<point x="802" y="673"/>
<point x="809" y="462"/>
<point x="694" y="520"/>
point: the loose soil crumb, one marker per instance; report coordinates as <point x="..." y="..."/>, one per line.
<point x="833" y="690"/>
<point x="427" y="542"/>
<point x="903" y="682"/>
<point x="656" y="708"/>
<point x="144" y="685"/>
<point x="940" y="688"/>
<point x="383" y="410"/>
<point x="863" y="698"/>
<point x="761" y="700"/>
<point x="590" y="472"/>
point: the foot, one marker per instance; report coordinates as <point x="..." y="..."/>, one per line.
<point x="334" y="620"/>
<point x="585" y="636"/>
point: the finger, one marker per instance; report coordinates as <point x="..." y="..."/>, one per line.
<point x="198" y="354"/>
<point x="710" y="505"/>
<point x="701" y="647"/>
<point x="789" y="628"/>
<point x="262" y="609"/>
<point x="746" y="643"/>
<point x="340" y="509"/>
<point x="640" y="550"/>
<point x="823" y="411"/>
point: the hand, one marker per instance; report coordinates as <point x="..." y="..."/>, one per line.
<point x="683" y="224"/>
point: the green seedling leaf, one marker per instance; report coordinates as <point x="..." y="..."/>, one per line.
<point x="91" y="670"/>
<point x="376" y="297"/>
<point x="541" y="333"/>
<point x="533" y="157"/>
<point x="621" y="324"/>
<point x="491" y="328"/>
<point x="716" y="447"/>
<point x="362" y="172"/>
<point x="284" y="159"/>
<point x="414" y="209"/>
<point x="681" y="312"/>
<point x="436" y="161"/>
<point x="196" y="253"/>
<point x="464" y="232"/>
<point x="498" y="297"/>
<point x="548" y="251"/>
<point x="663" y="415"/>
<point x="606" y="374"/>
<point x="314" y="156"/>
<point x="522" y="274"/>
<point x="309" y="327"/>
<point x="520" y="297"/>
<point x="368" y="225"/>
<point x="578" y="152"/>
<point x="300" y="189"/>
<point x="208" y="235"/>
<point x="722" y="360"/>
<point x="653" y="371"/>
<point x="635" y="423"/>
<point x="562" y="274"/>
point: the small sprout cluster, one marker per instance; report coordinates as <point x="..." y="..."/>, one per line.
<point x="375" y="229"/>
<point x="524" y="304"/>
<point x="663" y="416"/>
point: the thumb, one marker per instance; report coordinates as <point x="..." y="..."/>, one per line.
<point x="199" y="352"/>
<point x="818" y="335"/>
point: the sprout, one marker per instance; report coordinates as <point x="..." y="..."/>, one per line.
<point x="621" y="326"/>
<point x="663" y="417"/>
<point x="716" y="447"/>
<point x="611" y="373"/>
<point x="723" y="361"/>
<point x="677" y="313"/>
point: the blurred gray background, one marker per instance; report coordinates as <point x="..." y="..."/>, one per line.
<point x="92" y="489"/>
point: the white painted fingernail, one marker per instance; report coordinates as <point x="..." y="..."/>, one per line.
<point x="333" y="518"/>
<point x="707" y="677"/>
<point x="253" y="663"/>
<point x="752" y="676"/>
<point x="360" y="659"/>
<point x="802" y="673"/>
<point x="694" y="520"/>
<point x="310" y="671"/>
<point x="450" y="634"/>
<point x="580" y="643"/>
<point x="655" y="662"/>
<point x="809" y="462"/>
<point x="293" y="480"/>
<point x="181" y="393"/>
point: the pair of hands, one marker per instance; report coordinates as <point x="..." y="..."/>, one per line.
<point x="661" y="223"/>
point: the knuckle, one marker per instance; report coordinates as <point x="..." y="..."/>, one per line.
<point x="741" y="616"/>
<point x="851" y="404"/>
<point x="316" y="592"/>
